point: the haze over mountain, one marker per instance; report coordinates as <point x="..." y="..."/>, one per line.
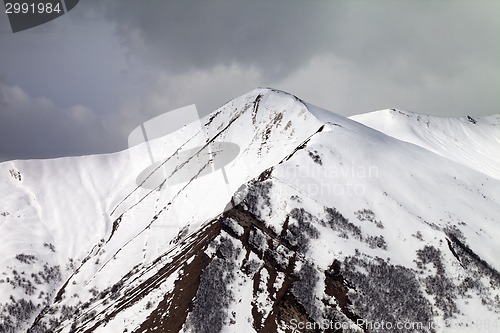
<point x="320" y="222"/>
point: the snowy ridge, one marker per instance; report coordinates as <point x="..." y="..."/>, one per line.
<point x="320" y="214"/>
<point x="467" y="140"/>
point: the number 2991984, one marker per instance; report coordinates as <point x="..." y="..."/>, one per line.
<point x="32" y="8"/>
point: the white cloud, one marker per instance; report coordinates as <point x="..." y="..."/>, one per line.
<point x="35" y="126"/>
<point x="208" y="89"/>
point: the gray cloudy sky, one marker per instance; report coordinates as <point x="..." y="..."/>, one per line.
<point x="80" y="84"/>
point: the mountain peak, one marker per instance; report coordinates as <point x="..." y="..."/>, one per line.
<point x="470" y="141"/>
<point x="316" y="220"/>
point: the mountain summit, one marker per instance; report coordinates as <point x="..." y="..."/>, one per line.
<point x="388" y="221"/>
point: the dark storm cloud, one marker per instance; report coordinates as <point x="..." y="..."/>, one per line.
<point x="81" y="83"/>
<point x="201" y="34"/>
<point x="436" y="57"/>
<point x="405" y="39"/>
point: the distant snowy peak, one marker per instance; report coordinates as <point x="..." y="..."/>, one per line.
<point x="471" y="141"/>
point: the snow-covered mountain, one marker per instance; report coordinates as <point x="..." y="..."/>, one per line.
<point x="469" y="141"/>
<point x="386" y="221"/>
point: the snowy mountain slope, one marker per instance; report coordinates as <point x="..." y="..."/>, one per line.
<point x="51" y="213"/>
<point x="72" y="206"/>
<point x="322" y="219"/>
<point x="467" y="140"/>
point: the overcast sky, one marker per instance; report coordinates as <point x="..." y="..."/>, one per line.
<point x="79" y="84"/>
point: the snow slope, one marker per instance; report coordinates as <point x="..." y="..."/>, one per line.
<point x="318" y="218"/>
<point x="91" y="208"/>
<point x="473" y="142"/>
